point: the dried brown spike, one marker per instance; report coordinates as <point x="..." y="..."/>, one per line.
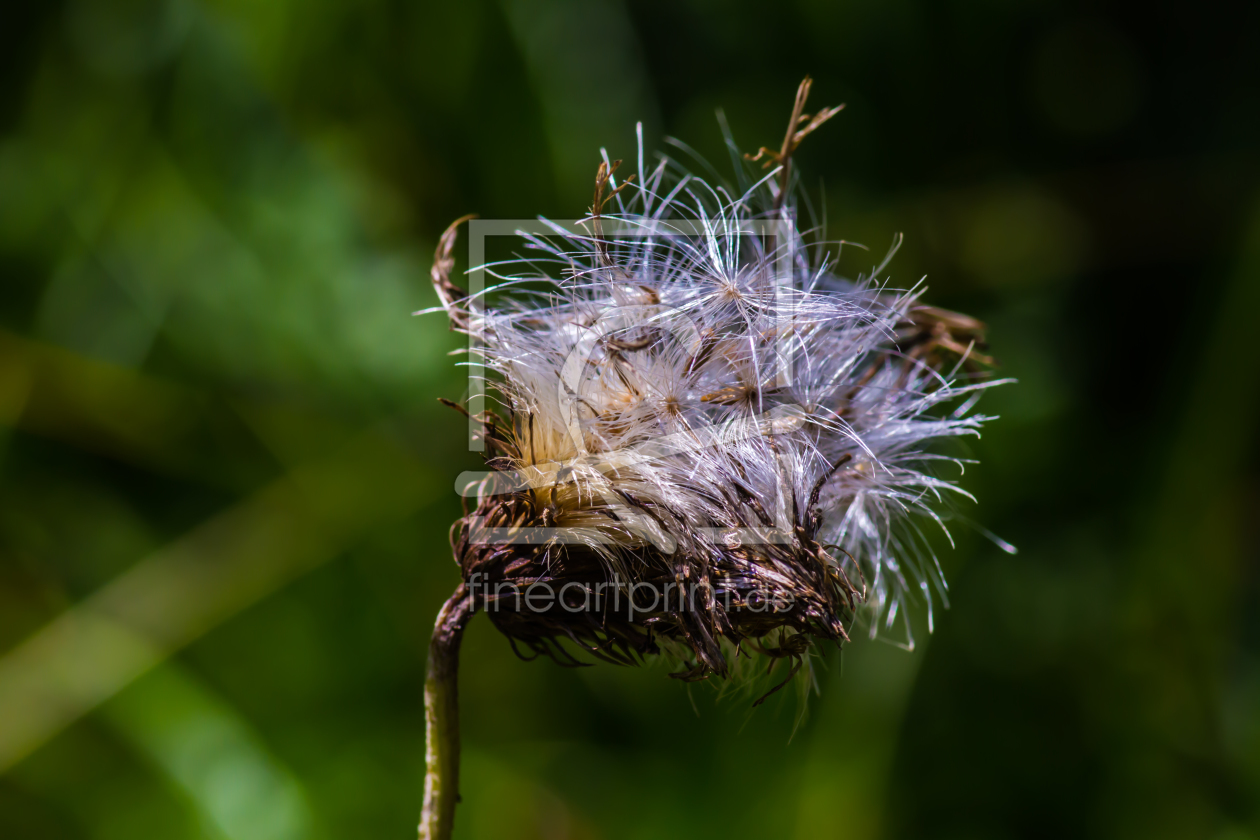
<point x="793" y="137"/>
<point x="602" y="176"/>
<point x="443" y="262"/>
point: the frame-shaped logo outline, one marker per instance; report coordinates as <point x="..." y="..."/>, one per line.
<point x="780" y="419"/>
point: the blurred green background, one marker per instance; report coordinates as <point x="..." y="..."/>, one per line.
<point x="225" y="480"/>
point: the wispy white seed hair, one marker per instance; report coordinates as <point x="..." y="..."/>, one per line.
<point x="682" y="374"/>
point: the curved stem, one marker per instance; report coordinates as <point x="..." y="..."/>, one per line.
<point x="441" y="717"/>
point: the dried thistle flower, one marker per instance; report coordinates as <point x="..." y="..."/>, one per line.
<point x="709" y="443"/>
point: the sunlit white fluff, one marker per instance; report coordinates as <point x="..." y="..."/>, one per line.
<point x="683" y="340"/>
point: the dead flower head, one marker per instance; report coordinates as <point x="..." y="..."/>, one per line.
<point x="708" y="443"/>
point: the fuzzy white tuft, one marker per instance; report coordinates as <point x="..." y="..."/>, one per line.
<point x="683" y="351"/>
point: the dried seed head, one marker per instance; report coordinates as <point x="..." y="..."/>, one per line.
<point x="709" y="442"/>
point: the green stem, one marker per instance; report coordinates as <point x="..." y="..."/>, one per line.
<point x="441" y="716"/>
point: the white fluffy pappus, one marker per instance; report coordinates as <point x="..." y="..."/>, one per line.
<point x="688" y="390"/>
